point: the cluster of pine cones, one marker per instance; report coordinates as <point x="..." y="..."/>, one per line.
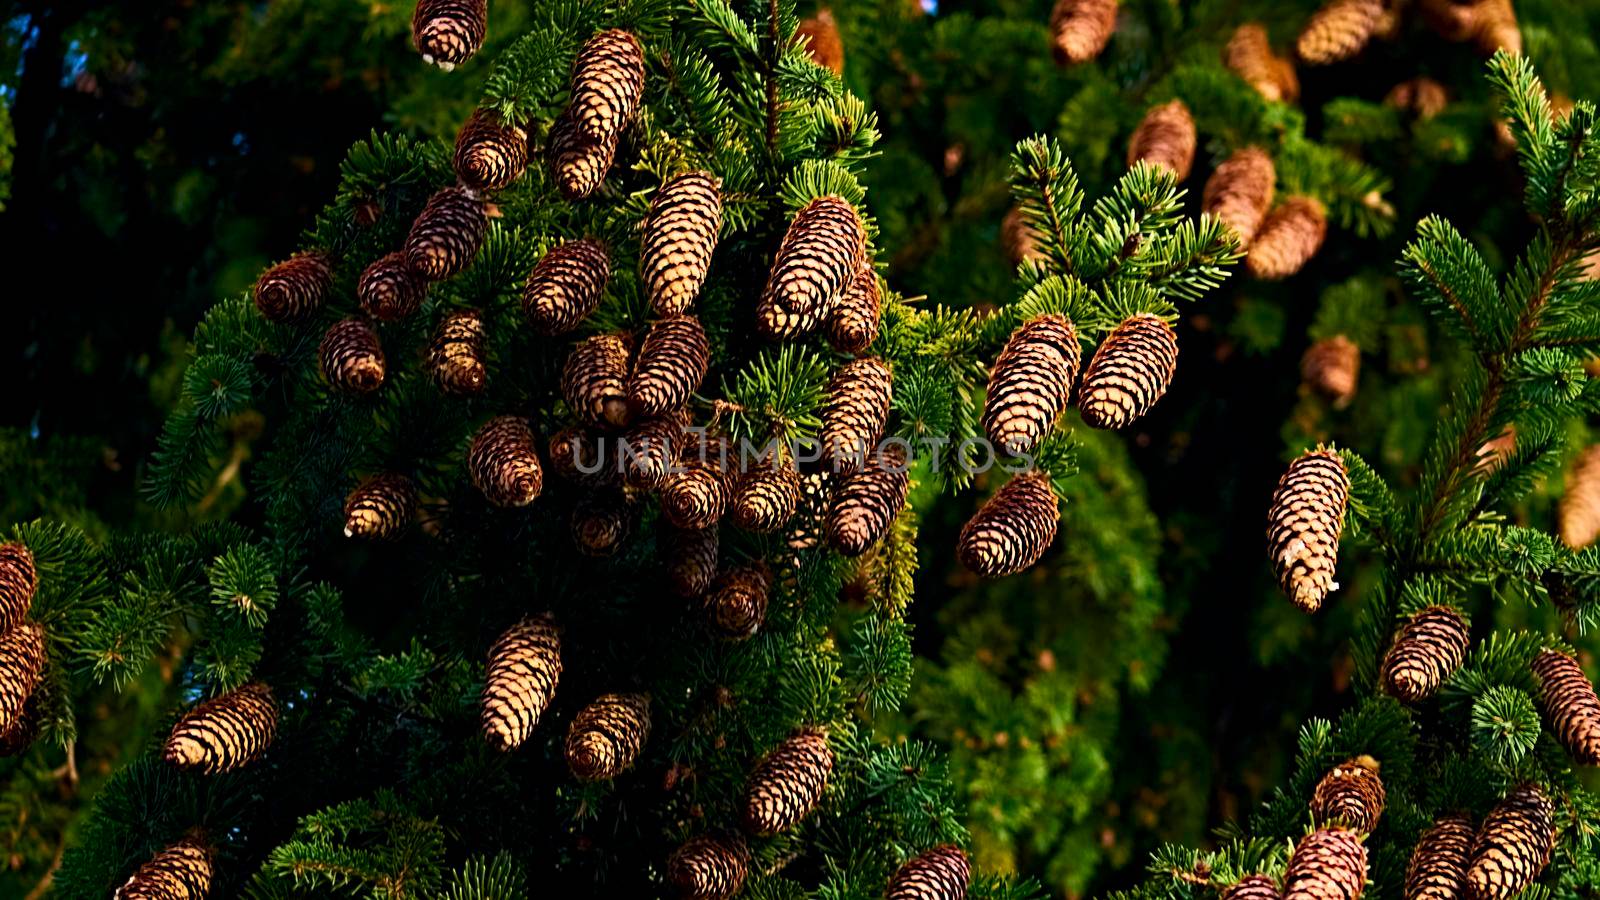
<point x="22" y="649"/>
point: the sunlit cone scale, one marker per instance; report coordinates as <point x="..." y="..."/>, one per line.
<point x="852" y="321"/>
<point x="607" y="81"/>
<point x="856" y="412"/>
<point x="709" y="867"/>
<point x="1328" y="864"/>
<point x="1252" y="887"/>
<point x="1304" y="526"/>
<point x="1249" y="55"/>
<point x="866" y="503"/>
<point x="606" y="736"/>
<point x="672" y="363"/>
<point x="1288" y="239"/>
<point x="226" y="732"/>
<point x="380" y="507"/>
<point x="1013" y="529"/>
<point x="1338" y="30"/>
<point x="1425" y="652"/>
<point x="767" y="496"/>
<point x="295" y="288"/>
<point x="490" y="153"/>
<point x="456" y="355"/>
<point x="1513" y="845"/>
<point x="446" y="234"/>
<point x="580" y="166"/>
<point x="449" y="32"/>
<point x="566" y="286"/>
<point x="941" y="873"/>
<point x="1029" y="384"/>
<point x="1569" y="702"/>
<point x="182" y="871"/>
<point x="1130" y="371"/>
<point x="22" y="659"/>
<point x="697" y="495"/>
<point x="649" y="449"/>
<point x="680" y="235"/>
<point x="1438" y="867"/>
<point x="1350" y="794"/>
<point x="594" y="380"/>
<point x="19" y="581"/>
<point x="524" y="668"/>
<point x="820" y="255"/>
<point x="352" y="359"/>
<point x="503" y="461"/>
<point x="788" y="783"/>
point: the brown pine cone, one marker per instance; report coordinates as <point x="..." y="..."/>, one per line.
<point x="866" y="503"/>
<point x="1290" y="236"/>
<point x="825" y="46"/>
<point x="672" y="363"/>
<point x="696" y="496"/>
<point x="1030" y="382"/>
<point x="737" y="601"/>
<point x="448" y="32"/>
<point x="1013" y="529"/>
<point x="600" y="524"/>
<point x="1080" y="29"/>
<point x="1438" y="867"/>
<point x="1495" y="451"/>
<point x="680" y="234"/>
<point x="580" y="166"/>
<point x="1129" y="372"/>
<point x="649" y="449"/>
<point x="1579" y="513"/>
<point x="607" y="80"/>
<point x="810" y="519"/>
<point x="1239" y="192"/>
<point x="566" y="286"/>
<point x="22" y="659"/>
<point x="1018" y="238"/>
<point x="767" y="495"/>
<point x="692" y="560"/>
<point x="1488" y="24"/>
<point x="1165" y="137"/>
<point x="446" y="234"/>
<point x="582" y="457"/>
<point x="820" y="255"/>
<point x="524" y="668"/>
<point x="490" y="153"/>
<point x="775" y="323"/>
<point x="388" y="290"/>
<point x="1428" y="649"/>
<point x="607" y="735"/>
<point x="853" y="320"/>
<point x="788" y="783"/>
<point x="1328" y="864"/>
<point x="456" y="355"/>
<point x="381" y="507"/>
<point x="1249" y="55"/>
<point x="352" y="358"/>
<point x="1252" y="887"/>
<point x="1351" y="794"/>
<point x="593" y="380"/>
<point x="856" y="412"/>
<point x="20" y="735"/>
<point x="942" y="873"/>
<point x="19" y="581"/>
<point x="1331" y="367"/>
<point x="1513" y="845"/>
<point x="295" y="288"/>
<point x="183" y="871"/>
<point x="226" y="732"/>
<point x="709" y="867"/>
<point x="504" y="461"/>
<point x="1304" y="526"/>
<point x="1421" y="96"/>
<point x="1338" y="30"/>
<point x="1570" y="703"/>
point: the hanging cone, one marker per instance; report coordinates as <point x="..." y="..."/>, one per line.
<point x="1422" y="97"/>
<point x="226" y="732"/>
<point x="490" y="153"/>
<point x="767" y="495"/>
<point x="183" y="871"/>
<point x="1428" y="649"/>
<point x="1239" y="192"/>
<point x="1029" y="384"/>
<point x="649" y="450"/>
<point x="692" y="560"/>
<point x="19" y="581"/>
<point x="856" y="412"/>
<point x="1080" y="29"/>
<point x="1331" y="367"/>
<point x="352" y="359"/>
<point x="775" y="323"/>
<point x="456" y="355"/>
<point x="1570" y="704"/>
<point x="580" y="166"/>
<point x="581" y="457"/>
<point x="448" y="32"/>
<point x="295" y="288"/>
<point x="1165" y="137"/>
<point x="824" y="45"/>
<point x="1304" y="526"/>
<point x="504" y="462"/>
<point x="20" y="735"/>
<point x="524" y="668"/>
<point x="1329" y="864"/>
<point x="810" y="519"/>
<point x="1249" y="55"/>
<point x="1580" y="503"/>
<point x="1252" y="887"/>
<point x="566" y="286"/>
<point x="1338" y="31"/>
<point x="381" y="507"/>
<point x="696" y="496"/>
<point x="1438" y="867"/>
<point x="1287" y="240"/>
<point x="593" y="380"/>
<point x="942" y="873"/>
<point x="607" y="735"/>
<point x="788" y="783"/>
<point x="680" y="234"/>
<point x="853" y="320"/>
<point x="709" y="867"/>
<point x="672" y="363"/>
<point x="820" y="255"/>
<point x="607" y="80"/>
<point x="867" y="502"/>
<point x="601" y="523"/>
<point x="1513" y="845"/>
<point x="737" y="601"/>
<point x="1351" y="794"/>
<point x="1129" y="372"/>
<point x="22" y="659"/>
<point x="1013" y="529"/>
<point x="446" y="234"/>
<point x="388" y="290"/>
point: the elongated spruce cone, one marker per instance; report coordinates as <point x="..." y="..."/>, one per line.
<point x="856" y="412"/>
<point x="692" y="560"/>
<point x="942" y="873"/>
<point x="823" y="45"/>
<point x="1013" y="529"/>
<point x="1579" y="512"/>
<point x="594" y="380"/>
<point x="504" y="461"/>
<point x="226" y="732"/>
<point x="1252" y="887"/>
<point x="1080" y="29"/>
<point x="388" y="290"/>
<point x="736" y="604"/>
<point x="767" y="495"/>
<point x="380" y="507"/>
<point x="649" y="449"/>
<point x="490" y="153"/>
<point x="820" y="255"/>
<point x="456" y="357"/>
<point x="1165" y="137"/>
<point x="607" y="80"/>
<point x="1304" y="526"/>
<point x="601" y="523"/>
<point x="182" y="871"/>
<point x="580" y="166"/>
<point x="566" y="286"/>
<point x="1351" y="794"/>
<point x="19" y="581"/>
<point x="680" y="235"/>
<point x="1570" y="704"/>
<point x="1332" y="368"/>
<point x="524" y="668"/>
<point x="1338" y="30"/>
<point x="1239" y="192"/>
<point x="606" y="736"/>
<point x="1328" y="864"/>
<point x="1428" y="649"/>
<point x="709" y="867"/>
<point x="1513" y="845"/>
<point x="446" y="234"/>
<point x="1130" y="371"/>
<point x="1249" y="55"/>
<point x="788" y="783"/>
<point x="1030" y="383"/>
<point x="352" y="359"/>
<point x="866" y="503"/>
<point x="672" y="363"/>
<point x="449" y="32"/>
<point x="22" y="658"/>
<point x="295" y="288"/>
<point x="1288" y="239"/>
<point x="696" y="496"/>
<point x="1438" y="867"/>
<point x="853" y="320"/>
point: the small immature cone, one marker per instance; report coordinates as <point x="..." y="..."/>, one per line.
<point x="606" y="736"/>
<point x="1013" y="529"/>
<point x="446" y="234"/>
<point x="600" y="523"/>
<point x="1252" y="887"/>
<point x="352" y="358"/>
<point x="1030" y="382"/>
<point x="1239" y="192"/>
<point x="456" y="355"/>
<point x="767" y="495"/>
<point x="226" y="732"/>
<point x="1130" y="371"/>
<point x="388" y="290"/>
<point x="1165" y="137"/>
<point x="580" y="166"/>
<point x="594" y="380"/>
<point x="1422" y="97"/>
<point x="1304" y="525"/>
<point x="504" y="461"/>
<point x="853" y="319"/>
<point x="607" y="80"/>
<point x="22" y="658"/>
<point x="737" y="601"/>
<point x="295" y="288"/>
<point x="825" y="45"/>
<point x="691" y="560"/>
<point x="182" y="871"/>
<point x="1287" y="240"/>
<point x="566" y="286"/>
<point x="524" y="668"/>
<point x="381" y="507"/>
<point x="1570" y="704"/>
<point x="1351" y="794"/>
<point x="1513" y="845"/>
<point x="19" y="581"/>
<point x="820" y="255"/>
<point x="490" y="153"/>
<point x="1328" y="864"/>
<point x="856" y="412"/>
<point x="1579" y="514"/>
<point x="867" y="502"/>
<point x="1338" y="30"/>
<point x="709" y="867"/>
<point x="680" y="234"/>
<point x="1332" y="367"/>
<point x="942" y="873"/>
<point x="1428" y="649"/>
<point x="649" y="448"/>
<point x="696" y="496"/>
<point x="672" y="363"/>
<point x="1438" y="867"/>
<point x="1080" y="29"/>
<point x="448" y="32"/>
<point x="788" y="783"/>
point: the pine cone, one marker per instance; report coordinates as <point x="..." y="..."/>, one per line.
<point x="680" y="235"/>
<point x="1013" y="529"/>
<point x="448" y="32"/>
<point x="1570" y="704"/>
<point x="1427" y="650"/>
<point x="1287" y="240"/>
<point x="1495" y="451"/>
<point x="295" y="288"/>
<point x="825" y="46"/>
<point x="672" y="363"/>
<point x="1338" y="30"/>
<point x="524" y="668"/>
<point x="1252" y="887"/>
<point x="1304" y="525"/>
<point x="504" y="461"/>
<point x="1579" y="512"/>
<point x="1029" y="384"/>
<point x="446" y="234"/>
<point x="787" y="785"/>
<point x="365" y="212"/>
<point x="737" y="601"/>
<point x="942" y="873"/>
<point x="1329" y="864"/>
<point x="182" y="871"/>
<point x="226" y="732"/>
<point x="649" y="450"/>
<point x="581" y="457"/>
<point x="566" y="286"/>
<point x="820" y="255"/>
<point x="778" y="324"/>
<point x="1438" y="868"/>
<point x="456" y="354"/>
<point x="381" y="507"/>
<point x="856" y="412"/>
<point x="867" y="502"/>
<point x="853" y="320"/>
<point x="352" y="358"/>
<point x="388" y="290"/>
<point x="1165" y="137"/>
<point x="1513" y="845"/>
<point x="490" y="153"/>
<point x="1239" y="192"/>
<point x="767" y="495"/>
<point x="692" y="560"/>
<point x="22" y="658"/>
<point x="607" y="735"/>
<point x="607" y="80"/>
<point x="1488" y="24"/>
<point x="696" y="496"/>
<point x="1249" y="55"/>
<point x="1331" y="367"/>
<point x="1422" y="97"/>
<point x="19" y="581"/>
<point x="1351" y="794"/>
<point x="1080" y="29"/>
<point x="20" y="735"/>
<point x="580" y="166"/>
<point x="1129" y="372"/>
<point x="593" y="380"/>
<point x="600" y="524"/>
<point x="810" y="519"/>
<point x="709" y="867"/>
<point x="1018" y="238"/>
